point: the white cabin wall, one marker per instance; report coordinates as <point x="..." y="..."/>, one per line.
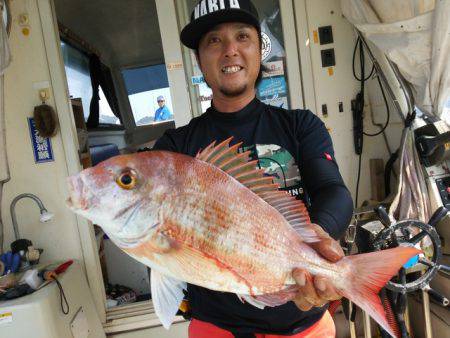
<point x="29" y="67"/>
<point x="342" y="87"/>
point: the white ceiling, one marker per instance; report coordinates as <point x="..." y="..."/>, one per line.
<point x="125" y="32"/>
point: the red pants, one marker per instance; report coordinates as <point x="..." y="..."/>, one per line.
<point x="324" y="328"/>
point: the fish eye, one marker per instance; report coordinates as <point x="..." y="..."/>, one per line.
<point x="127" y="180"/>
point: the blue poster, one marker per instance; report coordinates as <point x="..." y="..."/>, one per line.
<point x="271" y="86"/>
<point x="42" y="147"/>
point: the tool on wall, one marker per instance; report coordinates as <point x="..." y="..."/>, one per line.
<point x="45" y="116"/>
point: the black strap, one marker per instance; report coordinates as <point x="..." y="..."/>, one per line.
<point x="244" y="335"/>
<point x="62" y="297"/>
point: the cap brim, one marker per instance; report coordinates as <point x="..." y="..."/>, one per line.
<point x="191" y="34"/>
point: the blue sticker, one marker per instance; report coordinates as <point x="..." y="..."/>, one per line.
<point x="411" y="262"/>
<point x="42" y="147"/>
<point x="272" y="86"/>
<point x="196" y="80"/>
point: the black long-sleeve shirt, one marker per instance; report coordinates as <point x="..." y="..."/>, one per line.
<point x="295" y="148"/>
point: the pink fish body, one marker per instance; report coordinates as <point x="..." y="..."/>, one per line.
<point x="217" y="222"/>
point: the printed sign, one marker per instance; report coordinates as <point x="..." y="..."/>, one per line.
<point x="5" y="317"/>
<point x="272" y="86"/>
<point x="266" y="46"/>
<point x="174" y="65"/>
<point x="196" y="80"/>
<point x="274" y="68"/>
<point x="280" y="102"/>
<point x="42" y="147"/>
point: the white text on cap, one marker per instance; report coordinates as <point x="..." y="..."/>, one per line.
<point x="201" y="8"/>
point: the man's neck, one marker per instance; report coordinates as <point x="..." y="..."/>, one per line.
<point x="226" y="104"/>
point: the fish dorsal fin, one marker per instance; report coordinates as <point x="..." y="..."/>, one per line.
<point x="239" y="166"/>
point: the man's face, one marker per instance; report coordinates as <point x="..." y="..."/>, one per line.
<point x="161" y="103"/>
<point x="229" y="57"/>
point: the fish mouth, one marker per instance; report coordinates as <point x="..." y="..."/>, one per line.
<point x="77" y="199"/>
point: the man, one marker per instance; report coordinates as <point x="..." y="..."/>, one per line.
<point x="226" y="37"/>
<point x="162" y="113"/>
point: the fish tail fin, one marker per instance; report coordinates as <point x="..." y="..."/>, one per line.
<point x="368" y="273"/>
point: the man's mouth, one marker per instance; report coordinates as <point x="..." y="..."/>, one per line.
<point x="231" y="69"/>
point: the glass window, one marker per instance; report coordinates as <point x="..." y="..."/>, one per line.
<point x="76" y="64"/>
<point x="149" y="94"/>
<point x="446" y="112"/>
<point x="273" y="88"/>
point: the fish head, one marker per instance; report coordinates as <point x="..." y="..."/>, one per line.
<point x="123" y="195"/>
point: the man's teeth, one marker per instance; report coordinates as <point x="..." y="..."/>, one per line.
<point x="232" y="69"/>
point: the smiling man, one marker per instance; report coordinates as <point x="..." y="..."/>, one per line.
<point x="226" y="37"/>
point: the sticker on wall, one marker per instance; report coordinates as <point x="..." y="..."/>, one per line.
<point x="174" y="65"/>
<point x="6" y="317"/>
<point x="276" y="101"/>
<point x="272" y="86"/>
<point x="315" y="37"/>
<point x="274" y="68"/>
<point x="42" y="147"/>
<point x="196" y="80"/>
<point x="266" y="46"/>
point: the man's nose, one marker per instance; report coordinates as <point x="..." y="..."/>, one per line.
<point x="230" y="48"/>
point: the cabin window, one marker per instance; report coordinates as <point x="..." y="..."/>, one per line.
<point x="76" y="64"/>
<point x="446" y="111"/>
<point x="144" y="86"/>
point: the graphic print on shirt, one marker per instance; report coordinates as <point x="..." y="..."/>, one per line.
<point x="280" y="164"/>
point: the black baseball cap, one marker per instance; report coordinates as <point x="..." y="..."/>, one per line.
<point x="210" y="13"/>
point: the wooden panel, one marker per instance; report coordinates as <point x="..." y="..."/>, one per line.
<point x="377" y="178"/>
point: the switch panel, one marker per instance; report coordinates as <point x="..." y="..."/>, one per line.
<point x="325" y="35"/>
<point x="324" y="110"/>
<point x="328" y="59"/>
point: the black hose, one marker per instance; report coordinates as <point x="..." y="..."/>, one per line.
<point x="387" y="172"/>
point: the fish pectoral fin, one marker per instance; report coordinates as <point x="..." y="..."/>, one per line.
<point x="167" y="294"/>
<point x="252" y="301"/>
<point x="271" y="299"/>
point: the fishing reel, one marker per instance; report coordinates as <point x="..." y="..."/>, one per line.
<point x="410" y="232"/>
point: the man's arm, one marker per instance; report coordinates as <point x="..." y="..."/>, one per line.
<point x="331" y="207"/>
<point x="166" y="142"/>
<point x="331" y="202"/>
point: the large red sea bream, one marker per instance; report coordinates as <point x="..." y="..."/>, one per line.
<point x="217" y="222"/>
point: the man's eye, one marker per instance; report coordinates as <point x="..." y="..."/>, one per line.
<point x="213" y="39"/>
<point x="243" y="36"/>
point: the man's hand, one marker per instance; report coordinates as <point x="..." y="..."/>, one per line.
<point x="317" y="291"/>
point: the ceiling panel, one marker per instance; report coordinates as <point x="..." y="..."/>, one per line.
<point x="125" y="33"/>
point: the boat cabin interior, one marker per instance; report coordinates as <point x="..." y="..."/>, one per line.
<point x="83" y="81"/>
